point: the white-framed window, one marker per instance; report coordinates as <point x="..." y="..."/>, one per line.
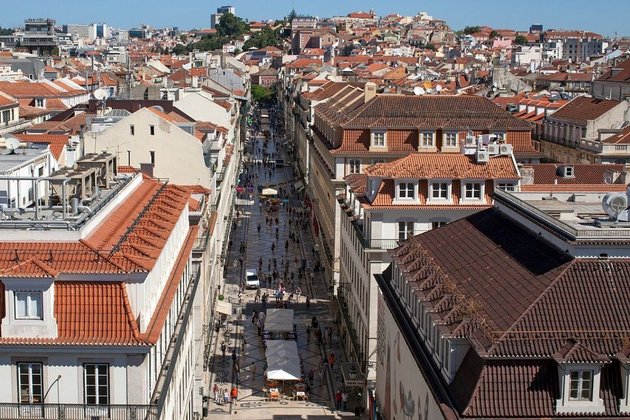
<point x="405" y="230"/>
<point x="406" y="191"/>
<point x="506" y="186"/>
<point x="96" y="383"/>
<point x="30" y="382"/>
<point x="378" y="138"/>
<point x="581" y="385"/>
<point x="28" y="305"/>
<point x="450" y="139"/>
<point x="473" y="190"/>
<point x="427" y="139"/>
<point x="440" y="190"/>
<point x="354" y="166"/>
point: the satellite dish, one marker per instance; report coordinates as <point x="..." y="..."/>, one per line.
<point x="158" y="108"/>
<point x="12" y="144"/>
<point x="100" y="94"/>
<point x="615" y="204"/>
<point x="418" y="91"/>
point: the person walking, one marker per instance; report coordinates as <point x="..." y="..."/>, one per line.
<point x="338" y="400"/>
<point x="331" y="360"/>
<point x="344" y="400"/>
<point x="215" y="391"/>
<point x="234" y="394"/>
<point x="226" y="396"/>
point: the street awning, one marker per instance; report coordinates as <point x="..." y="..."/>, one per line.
<point x="223" y="307"/>
<point x="352" y="376"/>
<point x="279" y="320"/>
<point x="283" y="361"/>
<point x="269" y="191"/>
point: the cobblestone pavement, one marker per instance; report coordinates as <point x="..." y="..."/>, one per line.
<point x="242" y="336"/>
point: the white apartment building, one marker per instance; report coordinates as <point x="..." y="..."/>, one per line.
<point x="97" y="298"/>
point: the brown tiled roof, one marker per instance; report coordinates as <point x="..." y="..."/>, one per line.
<point x="433" y="111"/>
<point x="619" y="73"/>
<point x="583" y="109"/>
<point x="549" y="173"/>
<point x="521" y="303"/>
<point x="444" y="166"/>
<point x="620" y="138"/>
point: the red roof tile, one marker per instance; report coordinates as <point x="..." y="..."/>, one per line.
<point x="583" y="109"/>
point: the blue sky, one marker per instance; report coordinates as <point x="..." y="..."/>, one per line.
<point x="606" y="17"/>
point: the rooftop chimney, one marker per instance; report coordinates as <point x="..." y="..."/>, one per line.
<point x="369" y="91"/>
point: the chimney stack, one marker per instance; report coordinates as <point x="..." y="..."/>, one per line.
<point x="369" y="91"/>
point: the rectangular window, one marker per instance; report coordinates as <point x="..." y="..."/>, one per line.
<point x="152" y="153"/>
<point x="132" y="130"/>
<point x="439" y="190"/>
<point x="472" y="190"/>
<point x="507" y="187"/>
<point x="427" y="140"/>
<point x="406" y="190"/>
<point x="355" y="166"/>
<point x="30" y="383"/>
<point x="378" y="139"/>
<point x="450" y="139"/>
<point x="405" y="230"/>
<point x="96" y="383"/>
<point x="581" y="387"/>
<point x="152" y="130"/>
<point x="435" y="225"/>
<point x="28" y="305"/>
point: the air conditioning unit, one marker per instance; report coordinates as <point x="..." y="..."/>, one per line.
<point x="483" y="156"/>
<point x="505" y="149"/>
<point x="493" y="149"/>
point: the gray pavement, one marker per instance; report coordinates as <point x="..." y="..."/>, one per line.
<point x="242" y="335"/>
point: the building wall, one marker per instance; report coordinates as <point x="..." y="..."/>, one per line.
<point x="69" y="364"/>
<point x="178" y="155"/>
<point x="400" y="384"/>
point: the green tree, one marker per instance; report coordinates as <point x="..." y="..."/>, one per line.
<point x="262" y="95"/>
<point x="520" y="40"/>
<point x="6" y="31"/>
<point x="263" y="39"/>
<point x="471" y="29"/>
<point x="494" y="34"/>
<point x="183" y="38"/>
<point x="231" y="25"/>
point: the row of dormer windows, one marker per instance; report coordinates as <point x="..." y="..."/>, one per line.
<point x="378" y="138"/>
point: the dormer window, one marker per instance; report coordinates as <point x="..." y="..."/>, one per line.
<point x="378" y="138"/>
<point x="500" y="136"/>
<point x="427" y="140"/>
<point x="406" y="191"/>
<point x="579" y="388"/>
<point x="450" y="139"/>
<point x="440" y="190"/>
<point x="473" y="191"/>
<point x="581" y="385"/>
<point x="28" y="305"/>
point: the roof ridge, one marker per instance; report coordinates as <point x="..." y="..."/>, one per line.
<point x="531" y="306"/>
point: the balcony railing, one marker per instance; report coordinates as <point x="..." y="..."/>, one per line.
<point x="78" y="411"/>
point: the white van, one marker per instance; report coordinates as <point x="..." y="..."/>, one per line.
<point x="251" y="279"/>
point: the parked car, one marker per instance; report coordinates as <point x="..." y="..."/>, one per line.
<point x="251" y="279"/>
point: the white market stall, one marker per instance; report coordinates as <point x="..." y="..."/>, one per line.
<point x="279" y="320"/>
<point x="269" y="191"/>
<point x="283" y="360"/>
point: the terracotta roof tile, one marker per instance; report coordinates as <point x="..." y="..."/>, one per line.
<point x="583" y="109"/>
<point x="445" y="166"/>
<point x="593" y="174"/>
